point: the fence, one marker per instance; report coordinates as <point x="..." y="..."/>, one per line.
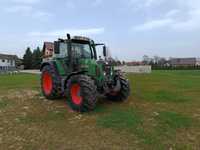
<point x="134" y="69"/>
<point x="8" y="70"/>
<point x="154" y="67"/>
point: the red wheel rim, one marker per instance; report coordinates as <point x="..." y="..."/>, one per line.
<point x="75" y="94"/>
<point x="47" y="83"/>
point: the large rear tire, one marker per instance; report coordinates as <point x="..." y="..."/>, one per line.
<point x="50" y="83"/>
<point x="81" y="93"/>
<point x="121" y="95"/>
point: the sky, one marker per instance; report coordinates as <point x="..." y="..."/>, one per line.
<point x="130" y="28"/>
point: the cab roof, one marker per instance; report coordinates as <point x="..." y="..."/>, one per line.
<point x="81" y="38"/>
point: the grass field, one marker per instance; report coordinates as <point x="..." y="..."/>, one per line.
<point x="163" y="112"/>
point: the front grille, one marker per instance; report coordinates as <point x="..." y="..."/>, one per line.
<point x="107" y="69"/>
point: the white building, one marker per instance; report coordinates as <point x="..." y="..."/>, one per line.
<point x="7" y="62"/>
<point x="198" y="62"/>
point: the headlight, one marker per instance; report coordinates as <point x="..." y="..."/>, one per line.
<point x="111" y="73"/>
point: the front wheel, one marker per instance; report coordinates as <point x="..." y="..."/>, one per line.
<point x="122" y="94"/>
<point x="81" y="93"/>
<point x="50" y="83"/>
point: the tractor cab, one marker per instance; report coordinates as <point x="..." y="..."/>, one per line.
<point x="76" y="47"/>
<point x="78" y="54"/>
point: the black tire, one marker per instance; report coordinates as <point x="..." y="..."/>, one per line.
<point x="87" y="97"/>
<point x="123" y="94"/>
<point x="55" y="91"/>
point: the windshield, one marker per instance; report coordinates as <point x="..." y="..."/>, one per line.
<point x="80" y="50"/>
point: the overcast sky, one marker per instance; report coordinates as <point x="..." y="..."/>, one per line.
<point x="131" y="28"/>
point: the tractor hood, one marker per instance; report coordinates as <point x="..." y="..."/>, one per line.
<point x="92" y="68"/>
<point x="88" y="65"/>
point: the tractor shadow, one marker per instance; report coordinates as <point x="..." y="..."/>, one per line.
<point x="105" y="105"/>
<point x="102" y="104"/>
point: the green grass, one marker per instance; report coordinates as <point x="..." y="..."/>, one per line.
<point x="167" y="86"/>
<point x="53" y="116"/>
<point x="174" y="120"/>
<point x="3" y="104"/>
<point x="120" y="119"/>
<point x="131" y="122"/>
<point x="162" y="111"/>
<point x="19" y="81"/>
<point x="165" y="96"/>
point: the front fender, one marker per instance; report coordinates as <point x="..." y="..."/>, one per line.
<point x="64" y="83"/>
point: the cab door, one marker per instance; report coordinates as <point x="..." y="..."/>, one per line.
<point x="62" y="57"/>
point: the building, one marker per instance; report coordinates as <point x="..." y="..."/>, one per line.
<point x="48" y="49"/>
<point x="183" y="62"/>
<point x="7" y="62"/>
<point x="198" y="62"/>
<point x="135" y="63"/>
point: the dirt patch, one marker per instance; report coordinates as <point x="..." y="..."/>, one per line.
<point x="36" y="123"/>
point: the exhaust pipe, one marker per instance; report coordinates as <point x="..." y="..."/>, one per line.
<point x="68" y="36"/>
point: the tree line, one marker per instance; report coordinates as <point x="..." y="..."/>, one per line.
<point x="32" y="59"/>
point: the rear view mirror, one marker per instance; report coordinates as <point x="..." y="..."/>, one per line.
<point x="104" y="51"/>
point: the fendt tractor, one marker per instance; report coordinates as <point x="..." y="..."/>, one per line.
<point x="75" y="72"/>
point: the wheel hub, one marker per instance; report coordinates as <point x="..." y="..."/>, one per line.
<point x="75" y="94"/>
<point x="47" y="83"/>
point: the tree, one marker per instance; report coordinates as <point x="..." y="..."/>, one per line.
<point x="146" y="60"/>
<point x="162" y="62"/>
<point x="19" y="62"/>
<point x="36" y="58"/>
<point x="27" y="59"/>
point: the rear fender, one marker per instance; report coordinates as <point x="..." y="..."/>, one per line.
<point x="52" y="65"/>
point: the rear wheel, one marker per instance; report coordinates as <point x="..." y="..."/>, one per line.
<point x="50" y="83"/>
<point x="81" y="93"/>
<point x="122" y="94"/>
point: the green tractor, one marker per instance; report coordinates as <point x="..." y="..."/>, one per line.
<point x="75" y="72"/>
